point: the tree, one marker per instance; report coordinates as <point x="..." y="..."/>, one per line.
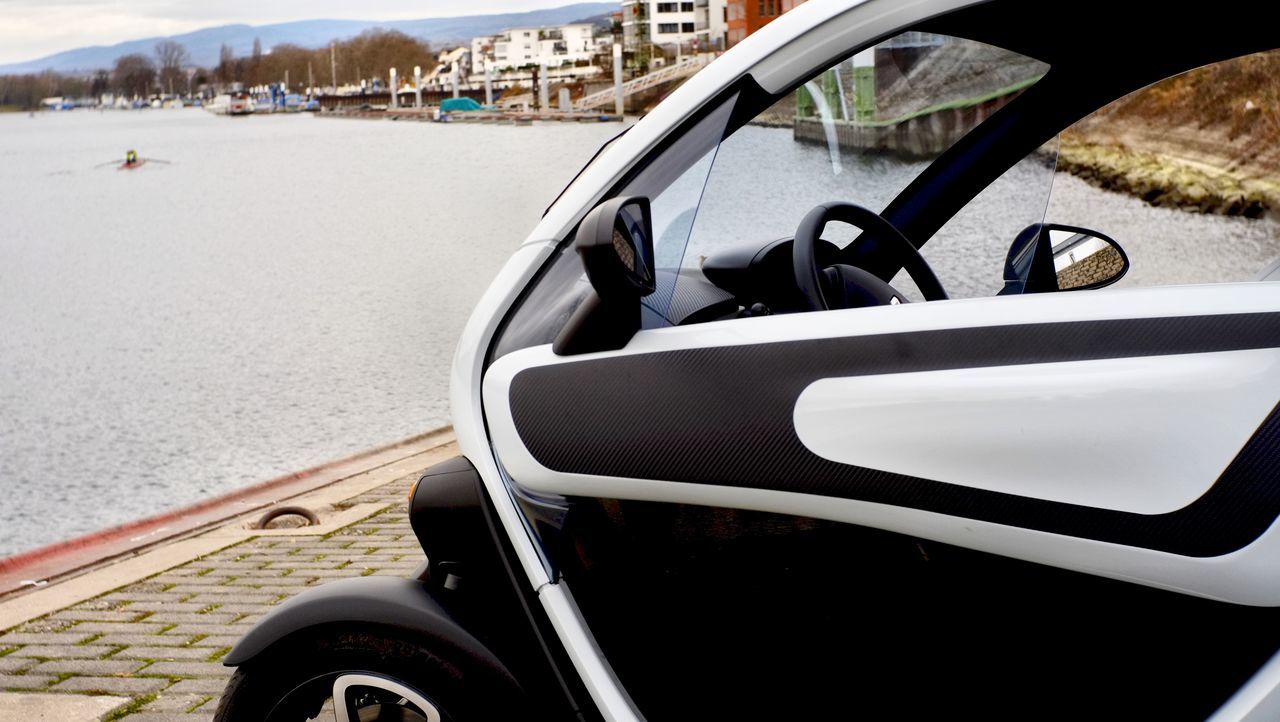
<point x="101" y="83"/>
<point x="378" y="50"/>
<point x="254" y="76"/>
<point x="225" y="73"/>
<point x="171" y="57"/>
<point x="133" y="75"/>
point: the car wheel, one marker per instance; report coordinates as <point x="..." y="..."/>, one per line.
<point x="365" y="677"/>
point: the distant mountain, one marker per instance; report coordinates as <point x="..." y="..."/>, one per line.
<point x="203" y="45"/>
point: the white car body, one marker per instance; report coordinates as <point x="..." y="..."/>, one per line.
<point x="1148" y="455"/>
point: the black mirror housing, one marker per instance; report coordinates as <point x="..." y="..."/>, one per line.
<point x="615" y="242"/>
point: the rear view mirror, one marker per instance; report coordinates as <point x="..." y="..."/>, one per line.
<point x="615" y="241"/>
<point x="1048" y="257"/>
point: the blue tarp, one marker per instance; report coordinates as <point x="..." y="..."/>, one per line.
<point x="454" y="105"/>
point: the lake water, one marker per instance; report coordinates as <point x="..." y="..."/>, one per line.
<point x="289" y="289"/>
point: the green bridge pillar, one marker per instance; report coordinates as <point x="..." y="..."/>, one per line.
<point x="864" y="86"/>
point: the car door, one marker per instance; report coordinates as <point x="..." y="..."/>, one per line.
<point x="1108" y="451"/>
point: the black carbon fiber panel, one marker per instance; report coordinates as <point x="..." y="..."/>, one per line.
<point x="723" y="416"/>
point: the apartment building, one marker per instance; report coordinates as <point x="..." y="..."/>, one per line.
<point x="689" y="24"/>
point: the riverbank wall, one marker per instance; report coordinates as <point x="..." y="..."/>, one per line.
<point x="1167" y="181"/>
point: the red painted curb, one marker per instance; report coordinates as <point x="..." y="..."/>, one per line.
<point x="66" y="556"/>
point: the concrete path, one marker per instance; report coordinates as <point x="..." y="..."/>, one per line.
<point x="147" y="648"/>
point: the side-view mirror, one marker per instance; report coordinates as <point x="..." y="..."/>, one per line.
<point x="1047" y="257"/>
<point x="615" y="241"/>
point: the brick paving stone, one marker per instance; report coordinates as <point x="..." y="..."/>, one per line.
<point x="69" y="637"/>
<point x="259" y="574"/>
<point x="166" y="606"/>
<point x="246" y="608"/>
<point x="112" y="685"/>
<point x="141" y="652"/>
<point x="12" y="664"/>
<point x="185" y="589"/>
<point x="217" y="641"/>
<point x="336" y="574"/>
<point x="88" y="651"/>
<point x="89" y="666"/>
<point x="205" y="600"/>
<point x="175" y="703"/>
<point x="207" y="629"/>
<point x="147" y="627"/>
<point x="25" y="681"/>
<point x="46" y="625"/>
<point x="201" y="685"/>
<point x="96" y="615"/>
<point x="197" y="567"/>
<point x="189" y="669"/>
<point x="134" y="597"/>
<point x="157" y="640"/>
<point x="191" y="618"/>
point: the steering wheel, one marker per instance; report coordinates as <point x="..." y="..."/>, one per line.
<point x="808" y="275"/>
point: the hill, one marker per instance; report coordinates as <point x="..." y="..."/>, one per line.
<point x="204" y="44"/>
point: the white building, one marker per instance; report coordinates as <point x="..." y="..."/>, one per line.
<point x="554" y="46"/>
<point x="687" y="24"/>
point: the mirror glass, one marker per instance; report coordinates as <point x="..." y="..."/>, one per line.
<point x="632" y="244"/>
<point x="1082" y="260"/>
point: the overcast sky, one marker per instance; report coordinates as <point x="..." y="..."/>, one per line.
<point x="31" y="29"/>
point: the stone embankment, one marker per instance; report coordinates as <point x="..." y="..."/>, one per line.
<point x="1163" y="180"/>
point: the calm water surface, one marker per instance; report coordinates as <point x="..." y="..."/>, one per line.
<point x="289" y="289"/>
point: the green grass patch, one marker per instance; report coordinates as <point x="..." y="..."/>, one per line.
<point x="195" y="639"/>
<point x="196" y="706"/>
<point x="218" y="654"/>
<point x="209" y="608"/>
<point x="88" y="640"/>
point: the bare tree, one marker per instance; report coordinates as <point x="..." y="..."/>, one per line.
<point x="171" y="57"/>
<point x="254" y="76"/>
<point x="133" y="75"/>
<point x="225" y="73"/>
<point x="100" y="84"/>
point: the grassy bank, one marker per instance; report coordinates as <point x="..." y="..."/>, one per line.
<point x="1164" y="180"/>
<point x="1206" y="140"/>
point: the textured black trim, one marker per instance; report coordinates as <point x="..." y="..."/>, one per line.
<point x="723" y="416"/>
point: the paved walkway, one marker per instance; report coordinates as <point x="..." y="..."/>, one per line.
<point x="156" y="643"/>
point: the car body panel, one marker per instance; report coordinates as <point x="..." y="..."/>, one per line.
<point x="1211" y="558"/>
<point x="1124" y="434"/>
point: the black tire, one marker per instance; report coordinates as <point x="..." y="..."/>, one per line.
<point x="291" y="681"/>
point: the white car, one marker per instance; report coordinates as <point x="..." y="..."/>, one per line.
<point x="724" y="461"/>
